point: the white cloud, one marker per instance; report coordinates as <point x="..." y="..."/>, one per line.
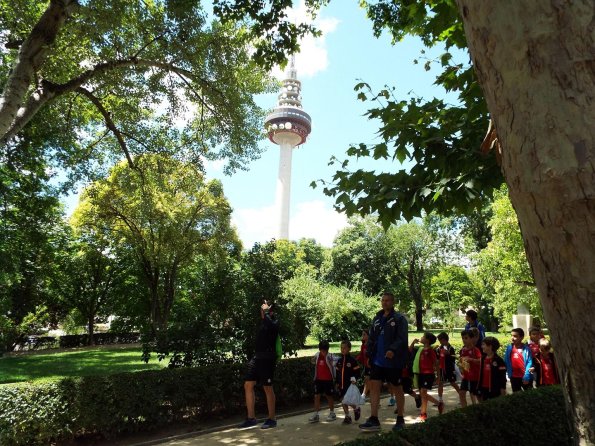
<point x="312" y="219"/>
<point x="313" y="55"/>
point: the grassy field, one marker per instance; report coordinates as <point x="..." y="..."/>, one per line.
<point x="103" y="360"/>
<point x="81" y="362"/>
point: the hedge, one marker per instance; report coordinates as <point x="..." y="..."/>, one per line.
<point x="529" y="418"/>
<point x="41" y="412"/>
<point x="82" y="340"/>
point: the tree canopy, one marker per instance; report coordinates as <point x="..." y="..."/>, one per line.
<point x="98" y="81"/>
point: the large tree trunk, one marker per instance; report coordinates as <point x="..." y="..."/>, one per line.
<point x="535" y="63"/>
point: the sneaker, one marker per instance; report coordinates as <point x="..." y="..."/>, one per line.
<point x="248" y="422"/>
<point x="441" y="407"/>
<point x="347" y="419"/>
<point x="371" y="424"/>
<point x="269" y="424"/>
<point x="331" y="416"/>
<point x="314" y="418"/>
<point x="391" y="402"/>
<point x="357" y="412"/>
<point x="418" y="401"/>
<point x="400" y="424"/>
<point x="422" y="417"/>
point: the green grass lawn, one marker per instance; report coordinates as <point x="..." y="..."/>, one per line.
<point x="89" y="361"/>
<point x="50" y="364"/>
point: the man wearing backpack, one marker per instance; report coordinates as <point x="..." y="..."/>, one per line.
<point x="262" y="368"/>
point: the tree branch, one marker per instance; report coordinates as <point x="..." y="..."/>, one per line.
<point x="108" y="122"/>
<point x="31" y="57"/>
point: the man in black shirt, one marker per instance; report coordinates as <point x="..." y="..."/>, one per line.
<point x="262" y="367"/>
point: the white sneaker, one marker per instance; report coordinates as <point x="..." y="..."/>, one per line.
<point x="314" y="418"/>
<point x="331" y="416"/>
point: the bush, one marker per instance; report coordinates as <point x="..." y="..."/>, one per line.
<point x="528" y="418"/>
<point x="41" y="412"/>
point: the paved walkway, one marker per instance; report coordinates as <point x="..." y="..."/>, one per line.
<point x="294" y="430"/>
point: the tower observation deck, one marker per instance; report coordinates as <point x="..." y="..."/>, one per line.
<point x="288" y="126"/>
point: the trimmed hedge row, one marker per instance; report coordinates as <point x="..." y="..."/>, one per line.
<point x="529" y="418"/>
<point x="41" y="412"/>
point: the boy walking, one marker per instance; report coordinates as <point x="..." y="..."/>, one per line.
<point x="518" y="361"/>
<point x="425" y="365"/>
<point x="546" y="369"/>
<point x="492" y="371"/>
<point x="446" y="360"/>
<point x="470" y="357"/>
<point x="347" y="369"/>
<point x="324" y="381"/>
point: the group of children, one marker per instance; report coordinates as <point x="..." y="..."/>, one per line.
<point x="484" y="373"/>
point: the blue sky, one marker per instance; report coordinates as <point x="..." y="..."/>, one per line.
<point x="329" y="67"/>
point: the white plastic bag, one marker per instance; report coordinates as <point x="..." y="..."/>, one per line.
<point x="353" y="396"/>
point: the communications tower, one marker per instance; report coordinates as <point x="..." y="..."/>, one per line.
<point x="287" y="126"/>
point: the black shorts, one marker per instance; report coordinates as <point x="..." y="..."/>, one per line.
<point x="407" y="384"/>
<point x="517" y="384"/>
<point x="326" y="387"/>
<point x="261" y="371"/>
<point x="386" y="374"/>
<point x="448" y="376"/>
<point x="485" y="393"/>
<point x="426" y="380"/>
<point x="367" y="371"/>
<point x="470" y="386"/>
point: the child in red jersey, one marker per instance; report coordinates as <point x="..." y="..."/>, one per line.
<point x="546" y="370"/>
<point x="363" y="359"/>
<point x="492" y="370"/>
<point x="446" y="359"/>
<point x="324" y="381"/>
<point x="518" y="361"/>
<point x="535" y="335"/>
<point x="469" y="359"/>
<point x="425" y="366"/>
<point x="347" y="368"/>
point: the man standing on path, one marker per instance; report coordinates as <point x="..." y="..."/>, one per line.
<point x="387" y="350"/>
<point x="262" y="367"/>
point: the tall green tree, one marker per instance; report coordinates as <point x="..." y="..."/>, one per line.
<point x="167" y="213"/>
<point x="105" y="80"/>
<point x="360" y="258"/>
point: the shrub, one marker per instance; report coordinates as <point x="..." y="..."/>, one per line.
<point x="528" y="418"/>
<point x="41" y="412"/>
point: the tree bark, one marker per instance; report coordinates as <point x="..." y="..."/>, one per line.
<point x="536" y="64"/>
<point x="32" y="55"/>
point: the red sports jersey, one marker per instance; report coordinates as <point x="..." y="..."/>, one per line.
<point x="322" y="371"/>
<point x="487" y="373"/>
<point x="518" y="362"/>
<point x="472" y="374"/>
<point x="427" y="359"/>
<point x="443" y="354"/>
<point x="548" y="374"/>
<point x="534" y="346"/>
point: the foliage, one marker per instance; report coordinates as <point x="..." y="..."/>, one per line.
<point x="163" y="211"/>
<point x="503" y="264"/>
<point x="99" y="80"/>
<point x="504" y="419"/>
<point x="451" y="291"/>
<point x="36" y="413"/>
<point x="359" y="258"/>
<point x="326" y="311"/>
